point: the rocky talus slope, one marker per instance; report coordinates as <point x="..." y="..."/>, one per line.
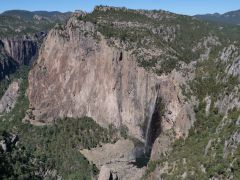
<point x="115" y="160"/>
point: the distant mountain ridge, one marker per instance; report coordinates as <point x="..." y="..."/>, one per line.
<point x="21" y="35"/>
<point x="232" y="17"/>
<point x="21" y="22"/>
<point x="30" y="15"/>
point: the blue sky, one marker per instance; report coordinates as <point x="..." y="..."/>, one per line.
<point x="189" y="7"/>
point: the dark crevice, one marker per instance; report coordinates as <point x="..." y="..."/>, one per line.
<point x="141" y="161"/>
<point x="121" y="56"/>
<point x="144" y="151"/>
<point x="155" y="126"/>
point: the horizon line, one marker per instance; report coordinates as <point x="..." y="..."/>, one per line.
<point x="89" y="11"/>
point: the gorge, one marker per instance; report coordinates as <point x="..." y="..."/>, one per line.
<point x="124" y="94"/>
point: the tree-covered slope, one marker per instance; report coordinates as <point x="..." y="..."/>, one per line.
<point x="47" y="151"/>
<point x="177" y="36"/>
<point x="20" y="22"/>
<point x="212" y="147"/>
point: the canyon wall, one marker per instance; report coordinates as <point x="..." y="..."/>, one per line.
<point x="18" y="51"/>
<point x="7" y="64"/>
<point x="23" y="49"/>
<point x="79" y="74"/>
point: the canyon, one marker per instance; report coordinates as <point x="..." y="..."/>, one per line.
<point x="167" y="84"/>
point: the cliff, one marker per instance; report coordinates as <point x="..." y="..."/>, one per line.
<point x="78" y="74"/>
<point x="21" y="35"/>
<point x="7" y="64"/>
<point x="170" y="82"/>
<point x="23" y="49"/>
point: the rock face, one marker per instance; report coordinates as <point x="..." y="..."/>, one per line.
<point x="9" y="99"/>
<point x="18" y="51"/>
<point x="112" y="67"/>
<point x="91" y="79"/>
<point x="23" y="49"/>
<point x="7" y="64"/>
<point x="178" y="115"/>
<point x="105" y="173"/>
<point x="79" y="74"/>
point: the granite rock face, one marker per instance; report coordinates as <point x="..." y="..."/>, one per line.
<point x="9" y="99"/>
<point x="79" y="74"/>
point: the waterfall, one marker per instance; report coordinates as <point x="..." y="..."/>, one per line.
<point x="148" y="130"/>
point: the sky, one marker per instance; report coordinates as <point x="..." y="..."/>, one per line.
<point x="188" y="7"/>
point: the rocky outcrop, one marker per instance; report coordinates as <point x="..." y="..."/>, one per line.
<point x="231" y="56"/>
<point x="78" y="74"/>
<point x="231" y="144"/>
<point x="9" y="99"/>
<point x="178" y="115"/>
<point x="121" y="151"/>
<point x="105" y="173"/>
<point x="229" y="101"/>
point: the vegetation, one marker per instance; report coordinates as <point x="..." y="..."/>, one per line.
<point x="19" y="22"/>
<point x="191" y="156"/>
<point x="204" y="154"/>
<point x="231" y="18"/>
<point x="51" y="151"/>
<point x="15" y="162"/>
<point x="175" y="35"/>
<point x="48" y="148"/>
